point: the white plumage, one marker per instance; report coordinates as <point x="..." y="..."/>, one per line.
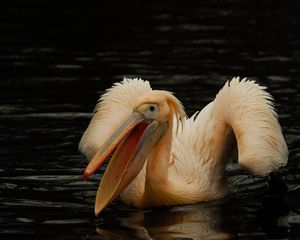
<point x="195" y="149"/>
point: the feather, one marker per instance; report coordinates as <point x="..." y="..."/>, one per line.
<point x="187" y="165"/>
<point x="116" y="101"/>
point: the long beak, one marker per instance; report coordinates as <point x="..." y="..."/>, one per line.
<point x="126" y="163"/>
<point x="132" y="144"/>
<point x="110" y="145"/>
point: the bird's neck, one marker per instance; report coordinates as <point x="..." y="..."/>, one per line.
<point x="158" y="162"/>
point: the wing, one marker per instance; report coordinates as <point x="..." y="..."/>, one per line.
<point x="114" y="108"/>
<point x="244" y="109"/>
<point x="241" y="117"/>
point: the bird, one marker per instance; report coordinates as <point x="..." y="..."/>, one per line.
<point x="161" y="157"/>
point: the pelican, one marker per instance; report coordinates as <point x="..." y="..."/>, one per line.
<point x="162" y="157"/>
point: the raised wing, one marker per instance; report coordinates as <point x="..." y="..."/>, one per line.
<point x="113" y="108"/>
<point x="243" y="113"/>
<point x="241" y="118"/>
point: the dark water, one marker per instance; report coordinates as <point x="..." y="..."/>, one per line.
<point x="55" y="60"/>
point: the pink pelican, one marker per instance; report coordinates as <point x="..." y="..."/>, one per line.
<point x="161" y="157"/>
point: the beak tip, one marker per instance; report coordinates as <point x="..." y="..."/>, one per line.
<point x="97" y="211"/>
<point x="85" y="175"/>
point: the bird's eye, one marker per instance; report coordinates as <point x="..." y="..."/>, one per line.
<point x="152" y="108"/>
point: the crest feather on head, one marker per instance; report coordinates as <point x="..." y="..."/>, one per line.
<point x="157" y="96"/>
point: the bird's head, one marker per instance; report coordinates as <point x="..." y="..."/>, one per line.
<point x="132" y="142"/>
<point x="159" y="106"/>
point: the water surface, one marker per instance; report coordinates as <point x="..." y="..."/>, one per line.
<point x="56" y="60"/>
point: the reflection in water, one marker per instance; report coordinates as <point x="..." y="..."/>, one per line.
<point x="201" y="221"/>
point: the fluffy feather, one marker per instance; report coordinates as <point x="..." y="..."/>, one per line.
<point x="117" y="101"/>
<point x="241" y="117"/>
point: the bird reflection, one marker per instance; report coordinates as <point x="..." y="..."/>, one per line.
<point x="201" y="221"/>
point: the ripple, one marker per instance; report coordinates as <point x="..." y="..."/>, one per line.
<point x="278" y="78"/>
<point x="295" y="219"/>
<point x="67" y="66"/>
<point x="46" y="178"/>
<point x="65" y="221"/>
<point x="41" y="204"/>
<point x="57" y="115"/>
<point x="25" y="220"/>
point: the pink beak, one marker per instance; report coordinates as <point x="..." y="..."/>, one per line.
<point x="130" y="145"/>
